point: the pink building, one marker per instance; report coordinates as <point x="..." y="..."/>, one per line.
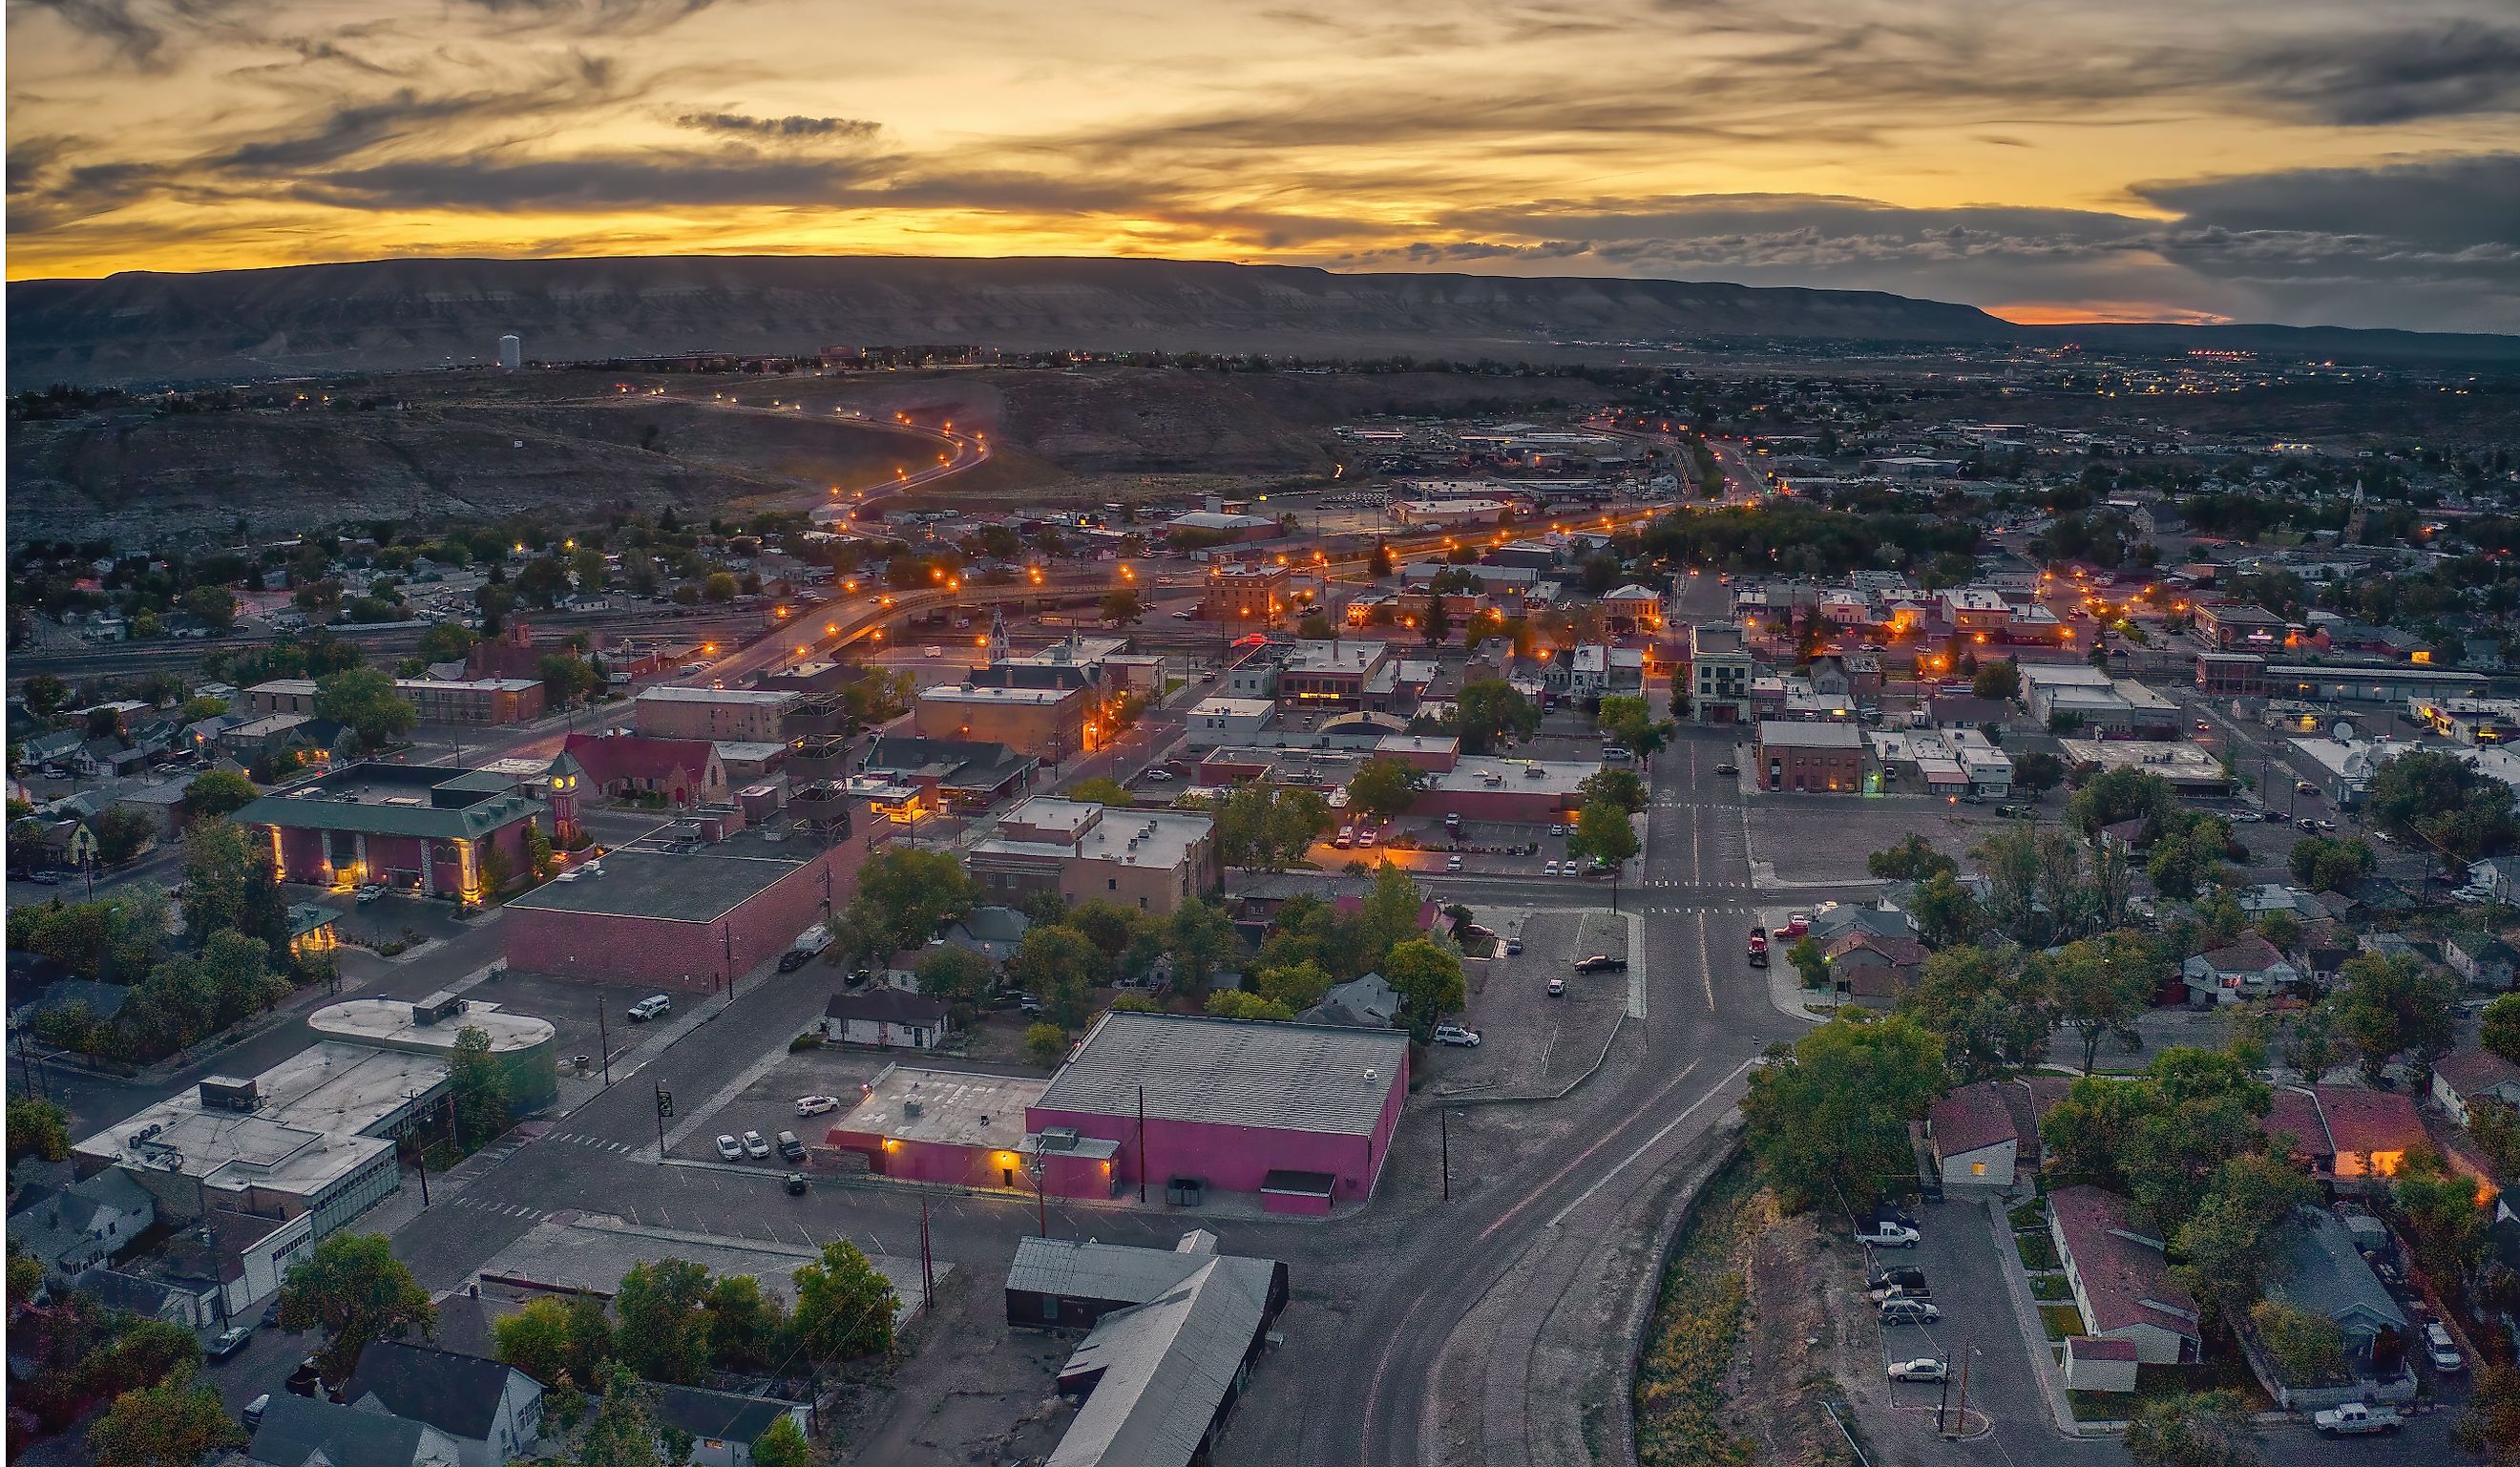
<point x="420" y="828"/>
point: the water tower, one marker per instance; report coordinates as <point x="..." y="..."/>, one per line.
<point x="511" y="352"/>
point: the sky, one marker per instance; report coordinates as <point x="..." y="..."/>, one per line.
<point x="2304" y="162"/>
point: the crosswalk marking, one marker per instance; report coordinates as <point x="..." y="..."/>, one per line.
<point x="579" y="1138"/>
<point x="504" y="1209"/>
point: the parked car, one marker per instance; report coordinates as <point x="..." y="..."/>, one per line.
<point x="1456" y="1036"/>
<point x="2306" y="823"/>
<point x="815" y="1106"/>
<point x="1567" y="869"/>
<point x="652" y="1006"/>
<point x="1797" y="925"/>
<point x="1906" y="1276"/>
<point x="791" y="1147"/>
<point x="1728" y="769"/>
<point x="1927" y="1369"/>
<point x="228" y="1342"/>
<point x="1556" y="827"/>
<point x="368" y="894"/>
<point x="1887" y="1234"/>
<point x="1550" y="869"/>
<point x="1513" y="947"/>
<point x="755" y="1146"/>
<point x="933" y="651"/>
<point x="1909" y="1311"/>
<point x="2355" y="1419"/>
<point x="2304" y="786"/>
<point x="2442" y="1349"/>
<point x="729" y="1148"/>
<point x="795" y="1183"/>
<point x="1556" y="986"/>
<point x="1884" y="1296"/>
<point x="2202" y="727"/>
<point x="1601" y="962"/>
<point x="793" y="958"/>
<point x="1159" y="777"/>
<point x="1452" y="862"/>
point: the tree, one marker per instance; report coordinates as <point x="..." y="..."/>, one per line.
<point x="355" y="1290"/>
<point x="1947" y="914"/>
<point x="2119" y="796"/>
<point x="2207" y="1429"/>
<point x="1264" y="828"/>
<point x="38" y="1129"/>
<point x="2332" y="865"/>
<point x="782" y="1446"/>
<point x="2491" y="1425"/>
<point x="1046" y="1042"/>
<point x="1630" y="719"/>
<point x="2160" y="1137"/>
<point x="905" y="895"/>
<point x="1383" y="788"/>
<point x="46" y="695"/>
<point x="1620" y="786"/>
<point x="1604" y="832"/>
<point x="1101" y="791"/>
<point x="480" y="1085"/>
<point x="2440" y="1214"/>
<point x="120" y="834"/>
<point x="743" y="1323"/>
<point x="2036" y="771"/>
<point x="1235" y="1003"/>
<point x="447" y="642"/>
<point x="548" y="1340"/>
<point x="843" y="1306"/>
<point x="1912" y="859"/>
<point x="721" y="587"/>
<point x="1428" y="981"/>
<point x="2501" y="1029"/>
<point x="1829" y="1115"/>
<point x="2387" y="1007"/>
<point x="217" y="793"/>
<point x="174" y="1424"/>
<point x="1057" y="965"/>
<point x="1298" y="986"/>
<point x="365" y="699"/>
<point x="1437" y="624"/>
<point x="957" y="975"/>
<point x="1489" y="707"/>
<point x="663" y="1335"/>
<point x="1122" y="607"/>
<point x="1199" y="935"/>
<point x="538" y="852"/>
<point x="1380" y="564"/>
<point x="2442" y="801"/>
<point x="1810" y="961"/>
<point x="1990" y="1008"/>
<point x="1393" y="911"/>
<point x="2100" y="986"/>
<point x="567" y="678"/>
<point x="623" y="1432"/>
<point x="2224" y="1245"/>
<point x="1998" y="680"/>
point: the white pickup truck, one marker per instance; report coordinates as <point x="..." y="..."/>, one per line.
<point x="2355" y="1419"/>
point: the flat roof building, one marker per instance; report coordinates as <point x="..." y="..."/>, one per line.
<point x="744" y="715"/>
<point x="1152" y="860"/>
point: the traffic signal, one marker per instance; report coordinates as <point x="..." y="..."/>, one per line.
<point x="664" y="1102"/>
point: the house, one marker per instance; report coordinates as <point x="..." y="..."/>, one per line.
<point x="299" y="1431"/>
<point x="2121" y="1278"/>
<point x="2461" y="1078"/>
<point x="1972" y="1135"/>
<point x="1367" y="1002"/>
<point x="52" y="751"/>
<point x="2092" y="1365"/>
<point x="74" y="1228"/>
<point x="889" y="1018"/>
<point x="2371" y="1132"/>
<point x="722" y="1425"/>
<point x="493" y="1412"/>
<point x="2481" y="959"/>
<point x="991" y="932"/>
<point x="682" y="772"/>
<point x="1876" y="970"/>
<point x="2317" y="1269"/>
<point x="2250" y="968"/>
<point x="2266" y="897"/>
<point x="2499" y="876"/>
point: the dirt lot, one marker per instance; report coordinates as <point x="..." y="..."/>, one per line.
<point x="968" y="1390"/>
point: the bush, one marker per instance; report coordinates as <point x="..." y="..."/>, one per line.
<point x="1046" y="1042"/>
<point x="809" y="1040"/>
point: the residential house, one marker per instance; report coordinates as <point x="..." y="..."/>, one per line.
<point x="1972" y="1136"/>
<point x="2481" y="959"/>
<point x="722" y="1426"/>
<point x="887" y="1017"/>
<point x="2121" y="1277"/>
<point x="493" y="1412"/>
<point x="74" y="1228"/>
<point x="991" y="932"/>
<point x="2371" y="1130"/>
<point x="1874" y="970"/>
<point x="2250" y="968"/>
<point x="2499" y="876"/>
<point x="1367" y="1002"/>
<point x="2269" y="897"/>
<point x="299" y="1431"/>
<point x="2316" y="1268"/>
<point x="2464" y="1076"/>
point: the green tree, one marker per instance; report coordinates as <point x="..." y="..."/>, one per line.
<point x="1383" y="788"/>
<point x="1380" y="564"/>
<point x="1235" y="1003"/>
<point x="782" y="1446"/>
<point x="623" y="1432"/>
<point x="720" y="587"/>
<point x="1630" y="719"/>
<point x="1604" y="832"/>
<point x="2100" y="986"/>
<point x="743" y="1323"/>
<point x="2306" y="1348"/>
<point x="215" y="606"/>
<point x="2331" y="865"/>
<point x="1058" y="964"/>
<point x="1428" y="981"/>
<point x="543" y="1340"/>
<point x="1101" y="791"/>
<point x="217" y="793"/>
<point x="1265" y="827"/>
<point x="2387" y="1007"/>
<point x="567" y="678"/>
<point x="538" y="852"/>
<point x="1912" y="859"/>
<point x="1489" y="708"/>
<point x="1299" y="986"/>
<point x="1199" y="938"/>
<point x="957" y="975"/>
<point x="1393" y="911"/>
<point x="1998" y="680"/>
<point x="2491" y="1425"/>
<point x="1047" y="1043"/>
<point x="2119" y="796"/>
<point x="121" y="834"/>
<point x="2439" y="1211"/>
<point x="355" y="1290"/>
<point x="905" y="895"/>
<point x="1122" y="607"/>
<point x="45" y="695"/>
<point x="1990" y="1008"/>
<point x="1810" y="961"/>
<point x="170" y="1425"/>
<point x="365" y="699"/>
<point x="664" y="1333"/>
<point x="479" y="1085"/>
<point x="2181" y="865"/>
<point x="2208" y="1430"/>
<point x="2441" y="800"/>
<point x="447" y="642"/>
<point x="39" y="1129"/>
<point x="1947" y="914"/>
<point x="2035" y="772"/>
<point x="2500" y="1028"/>
<point x="1829" y="1115"/>
<point x="843" y="1306"/>
<point x="2225" y="1246"/>
<point x="1619" y="787"/>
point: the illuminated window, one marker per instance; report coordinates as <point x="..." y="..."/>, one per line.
<point x="1977" y="1169"/>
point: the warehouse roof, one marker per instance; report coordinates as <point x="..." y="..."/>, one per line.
<point x="1114" y="1272"/>
<point x="673" y="886"/>
<point x="1774" y="733"/>
<point x="766" y="698"/>
<point x="1233" y="1071"/>
<point x="1162" y="1369"/>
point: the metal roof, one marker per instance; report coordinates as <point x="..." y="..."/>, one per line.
<point x="1116" y="1274"/>
<point x="1233" y="1071"/>
<point x="1166" y="1366"/>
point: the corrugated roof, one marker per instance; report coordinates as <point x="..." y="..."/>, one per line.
<point x="1165" y="1367"/>
<point x="1114" y="1273"/>
<point x="1233" y="1071"/>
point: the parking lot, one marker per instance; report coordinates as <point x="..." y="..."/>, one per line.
<point x="1487" y="848"/>
<point x="768" y="1104"/>
<point x="1529" y="1039"/>
<point x="1810" y="839"/>
<point x="570" y="1007"/>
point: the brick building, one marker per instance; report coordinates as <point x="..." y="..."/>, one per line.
<point x="686" y="771"/>
<point x="421" y="829"/>
<point x="1153" y="861"/>
<point x="2232" y="675"/>
<point x="294" y="697"/>
<point x="473" y="700"/>
<point x="1238" y="594"/>
<point x="689" y="919"/>
<point x="1054" y="721"/>
<point x="1811" y="756"/>
<point x="737" y="715"/>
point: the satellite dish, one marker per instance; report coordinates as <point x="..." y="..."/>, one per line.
<point x="2343" y="731"/>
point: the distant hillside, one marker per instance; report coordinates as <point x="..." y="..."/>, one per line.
<point x="395" y="314"/>
<point x="388" y="315"/>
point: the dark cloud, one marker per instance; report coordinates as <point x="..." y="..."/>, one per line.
<point x="644" y="180"/>
<point x="2440" y="204"/>
<point x="612" y="17"/>
<point x="115" y="22"/>
<point x="743" y="125"/>
<point x="2396" y="74"/>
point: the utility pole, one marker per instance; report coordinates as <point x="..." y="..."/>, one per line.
<point x="1444" y="1129"/>
<point x="665" y="1107"/>
<point x="1141" y="1143"/>
<point x="726" y="930"/>
<point x="1961" y="1426"/>
<point x="603" y="1043"/>
<point x="927" y="1258"/>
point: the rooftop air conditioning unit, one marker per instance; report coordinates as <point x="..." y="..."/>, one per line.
<point x="912" y="1109"/>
